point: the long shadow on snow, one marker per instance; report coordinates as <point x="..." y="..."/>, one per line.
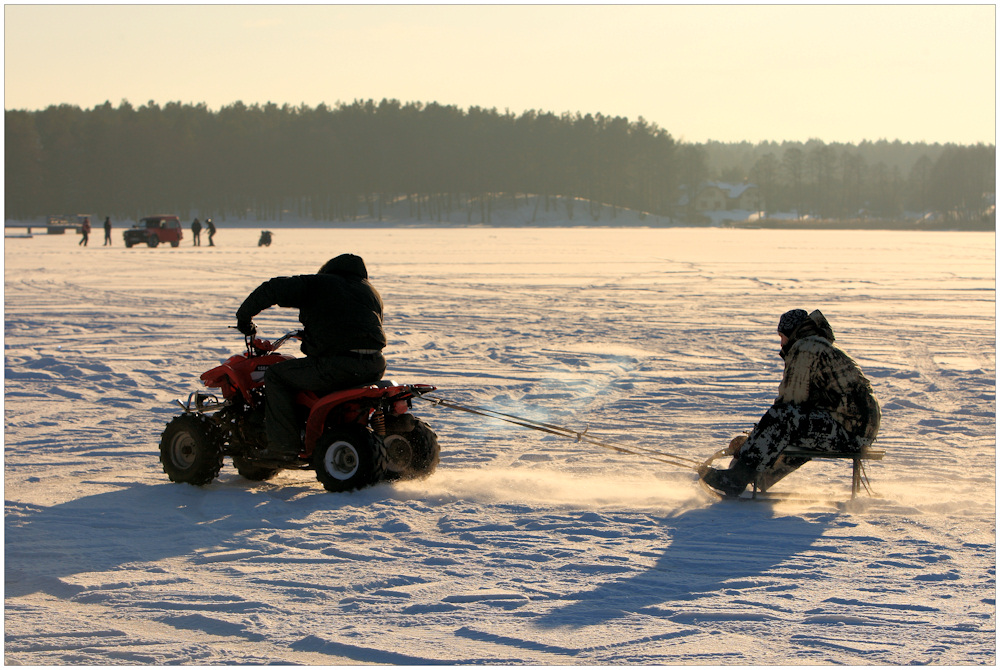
<point x="145" y="523"/>
<point x="716" y="548"/>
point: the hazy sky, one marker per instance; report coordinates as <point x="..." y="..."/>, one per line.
<point x="735" y="72"/>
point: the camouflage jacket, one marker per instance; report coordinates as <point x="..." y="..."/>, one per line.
<point x="819" y="375"/>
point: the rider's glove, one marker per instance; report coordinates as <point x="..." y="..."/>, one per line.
<point x="247" y="328"/>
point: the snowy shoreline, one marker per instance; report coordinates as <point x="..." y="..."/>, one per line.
<point x="538" y="212"/>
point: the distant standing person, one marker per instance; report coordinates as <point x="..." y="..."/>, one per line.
<point x="107" y="231"/>
<point x="196" y="232"/>
<point x="210" y="227"/>
<point x="85" y="231"/>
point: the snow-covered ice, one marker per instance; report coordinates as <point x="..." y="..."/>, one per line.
<point x="523" y="548"/>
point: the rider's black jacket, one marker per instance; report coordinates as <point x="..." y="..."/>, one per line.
<point x="339" y="309"/>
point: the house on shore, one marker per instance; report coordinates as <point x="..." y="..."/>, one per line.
<point x="716" y="196"/>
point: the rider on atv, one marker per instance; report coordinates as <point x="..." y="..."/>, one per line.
<point x="342" y="342"/>
<point x="824" y="403"/>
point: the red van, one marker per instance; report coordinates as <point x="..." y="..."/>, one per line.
<point x="155" y="229"/>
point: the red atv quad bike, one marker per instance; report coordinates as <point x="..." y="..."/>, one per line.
<point x="352" y="438"/>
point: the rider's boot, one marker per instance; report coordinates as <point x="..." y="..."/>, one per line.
<point x="731" y="482"/>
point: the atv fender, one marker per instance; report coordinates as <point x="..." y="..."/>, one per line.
<point x="222" y="377"/>
<point x="359" y="404"/>
<point x="322" y="407"/>
<point x="240" y="372"/>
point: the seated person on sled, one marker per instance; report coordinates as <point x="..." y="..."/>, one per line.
<point x="824" y="403"/>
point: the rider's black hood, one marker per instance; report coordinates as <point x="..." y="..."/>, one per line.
<point x="345" y="264"/>
<point x="815" y="324"/>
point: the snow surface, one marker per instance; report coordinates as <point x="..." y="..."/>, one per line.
<point x="523" y="548"/>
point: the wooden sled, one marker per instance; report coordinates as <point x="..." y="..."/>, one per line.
<point x="791" y="459"/>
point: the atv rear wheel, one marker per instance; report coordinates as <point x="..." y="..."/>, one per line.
<point x="190" y="450"/>
<point x="347" y="459"/>
<point x="254" y="473"/>
<point x="413" y="454"/>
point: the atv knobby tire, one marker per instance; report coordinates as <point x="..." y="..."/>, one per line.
<point x="413" y="454"/>
<point x="190" y="450"/>
<point x="347" y="459"/>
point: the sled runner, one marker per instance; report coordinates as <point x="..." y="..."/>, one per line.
<point x="791" y="459"/>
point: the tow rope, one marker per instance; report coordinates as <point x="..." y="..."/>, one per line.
<point x="660" y="456"/>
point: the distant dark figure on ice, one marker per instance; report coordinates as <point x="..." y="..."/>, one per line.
<point x="85" y="231"/>
<point x="265" y="239"/>
<point x="210" y="227"/>
<point x="107" y="231"/>
<point x="196" y="233"/>
<point x="824" y="403"/>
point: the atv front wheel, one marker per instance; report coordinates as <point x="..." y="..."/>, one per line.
<point x="190" y="450"/>
<point x="413" y="454"/>
<point x="349" y="459"/>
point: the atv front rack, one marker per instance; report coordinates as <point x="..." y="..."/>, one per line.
<point x="202" y="403"/>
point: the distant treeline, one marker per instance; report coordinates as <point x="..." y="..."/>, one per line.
<point x="881" y="180"/>
<point x="336" y="163"/>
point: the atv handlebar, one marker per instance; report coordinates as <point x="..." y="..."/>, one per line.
<point x="259" y="347"/>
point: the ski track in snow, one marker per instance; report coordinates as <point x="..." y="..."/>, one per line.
<point x="523" y="548"/>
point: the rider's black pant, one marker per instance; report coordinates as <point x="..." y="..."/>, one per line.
<point x="284" y="380"/>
